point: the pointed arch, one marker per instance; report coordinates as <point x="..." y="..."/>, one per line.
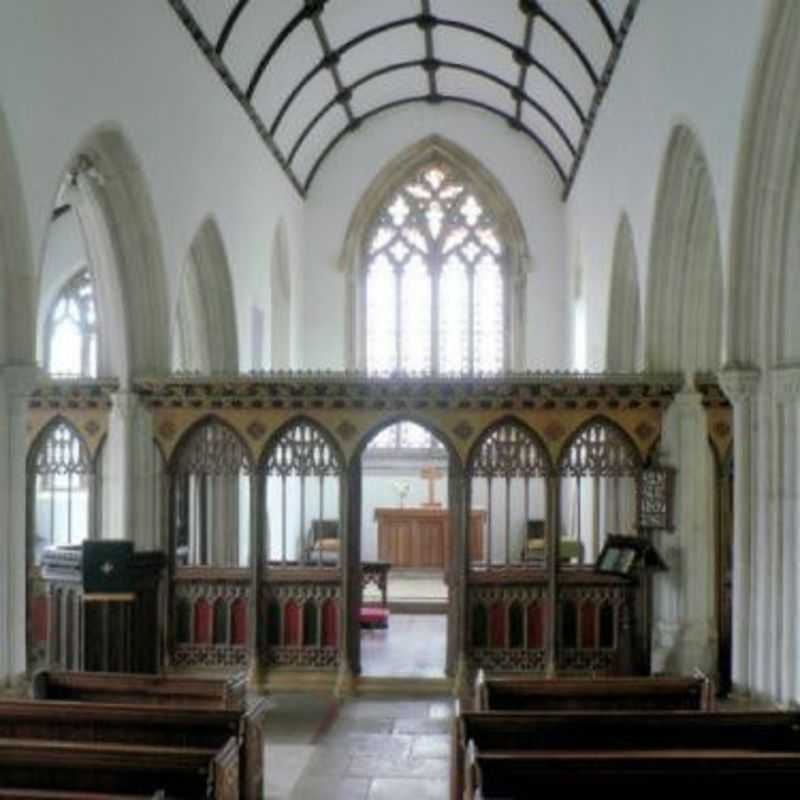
<point x="599" y="447"/>
<point x="17" y="279"/>
<point x="280" y="319"/>
<point x="219" y="449"/>
<point x="47" y="431"/>
<point x="509" y="448"/>
<point x="301" y="446"/>
<point x="623" y="343"/>
<point x="684" y="288"/>
<point x="515" y="260"/>
<point x="110" y="194"/>
<point x="205" y="318"/>
<point x="762" y="327"/>
<point x="398" y="419"/>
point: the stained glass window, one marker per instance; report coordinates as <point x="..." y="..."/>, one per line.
<point x="71" y="332"/>
<point x="435" y="287"/>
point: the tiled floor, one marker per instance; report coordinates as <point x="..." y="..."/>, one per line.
<point x="363" y="749"/>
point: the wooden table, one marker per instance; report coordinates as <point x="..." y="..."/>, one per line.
<point x="420" y="537"/>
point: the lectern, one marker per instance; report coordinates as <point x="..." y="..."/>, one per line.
<point x="103" y="607"/>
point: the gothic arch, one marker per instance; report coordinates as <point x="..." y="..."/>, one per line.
<point x="397" y="419"/>
<point x="110" y="194"/>
<point x="623" y="344"/>
<point x="295" y="423"/>
<point x="517" y="260"/>
<point x="233" y="437"/>
<point x="541" y="462"/>
<point x="18" y="326"/>
<point x="280" y="318"/>
<point x="603" y="448"/>
<point x="684" y="288"/>
<point x="765" y="247"/>
<point x="205" y="318"/>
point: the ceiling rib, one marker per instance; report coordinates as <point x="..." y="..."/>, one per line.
<point x="523" y="55"/>
<point x="441" y="98"/>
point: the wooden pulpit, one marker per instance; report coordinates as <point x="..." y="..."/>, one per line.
<point x="97" y="623"/>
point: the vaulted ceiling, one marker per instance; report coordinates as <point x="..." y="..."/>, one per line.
<point x="310" y="72"/>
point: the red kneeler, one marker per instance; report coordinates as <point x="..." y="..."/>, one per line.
<point x="370" y="617"/>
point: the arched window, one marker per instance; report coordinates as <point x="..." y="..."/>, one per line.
<point x="71" y="329"/>
<point x="436" y="291"/>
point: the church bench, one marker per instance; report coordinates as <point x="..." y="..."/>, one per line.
<point x="495" y="731"/>
<point x="181" y="773"/>
<point x="175" y="726"/>
<point x="605" y="693"/>
<point x="513" y="774"/>
<point x="124" y="687"/>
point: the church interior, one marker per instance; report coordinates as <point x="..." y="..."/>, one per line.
<point x="366" y="367"/>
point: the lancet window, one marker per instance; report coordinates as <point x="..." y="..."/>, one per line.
<point x="71" y="329"/>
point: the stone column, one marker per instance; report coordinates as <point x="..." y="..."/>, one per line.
<point x="740" y="387"/>
<point x="16" y="383"/>
<point x="133" y="476"/>
<point x="785" y="561"/>
<point x="685" y="621"/>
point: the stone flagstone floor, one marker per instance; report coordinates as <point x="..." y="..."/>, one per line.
<point x="367" y="748"/>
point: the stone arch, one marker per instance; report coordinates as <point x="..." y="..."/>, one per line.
<point x="17" y="275"/>
<point x="109" y="191"/>
<point x="205" y="317"/>
<point x="517" y="259"/>
<point x="684" y="289"/>
<point x="280" y="282"/>
<point x="764" y="243"/>
<point x="624" y="337"/>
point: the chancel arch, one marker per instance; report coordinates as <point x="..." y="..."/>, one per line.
<point x="435" y="225"/>
<point x="624" y="339"/>
<point x="205" y="316"/>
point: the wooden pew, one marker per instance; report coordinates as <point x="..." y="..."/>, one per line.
<point x="124" y="687"/>
<point x="499" y="740"/>
<point x="514" y="775"/>
<point x="181" y="773"/>
<point x="109" y="689"/>
<point x="601" y="694"/>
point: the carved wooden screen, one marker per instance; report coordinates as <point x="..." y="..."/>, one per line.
<point x="302" y="472"/>
<point x="61" y="482"/>
<point x="599" y="471"/>
<point x="508" y="470"/>
<point x="211" y="508"/>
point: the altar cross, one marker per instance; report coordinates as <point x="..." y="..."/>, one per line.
<point x="431" y="474"/>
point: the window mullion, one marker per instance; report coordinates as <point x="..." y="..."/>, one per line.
<point x="434" y="270"/>
<point x="398" y="312"/>
<point x="471" y="319"/>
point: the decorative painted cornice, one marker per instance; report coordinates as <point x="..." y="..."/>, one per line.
<point x="72" y="393"/>
<point x="707" y="384"/>
<point x="353" y="389"/>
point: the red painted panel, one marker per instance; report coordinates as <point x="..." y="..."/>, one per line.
<point x="202" y="622"/>
<point x="497" y="625"/>
<point x="536" y="625"/>
<point x="239" y="621"/>
<point x="39" y="612"/>
<point x="330" y="623"/>
<point x="588" y="625"/>
<point x="291" y="625"/>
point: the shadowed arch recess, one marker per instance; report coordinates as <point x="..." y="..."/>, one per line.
<point x="312" y="73"/>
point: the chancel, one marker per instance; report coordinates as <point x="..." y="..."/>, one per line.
<point x="373" y="331"/>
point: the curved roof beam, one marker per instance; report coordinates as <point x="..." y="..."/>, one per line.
<point x="517" y="53"/>
<point x="604" y="20"/>
<point x="426" y="98"/>
<point x="571" y="43"/>
<point x="228" y="26"/>
<point x="426" y="64"/>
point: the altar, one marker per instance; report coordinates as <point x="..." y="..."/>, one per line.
<point x="420" y="537"/>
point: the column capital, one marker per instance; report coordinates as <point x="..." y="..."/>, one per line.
<point x="785" y="382"/>
<point x="739" y="383"/>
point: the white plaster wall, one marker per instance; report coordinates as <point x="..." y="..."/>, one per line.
<point x="68" y="67"/>
<point x="517" y="164"/>
<point x="693" y="68"/>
